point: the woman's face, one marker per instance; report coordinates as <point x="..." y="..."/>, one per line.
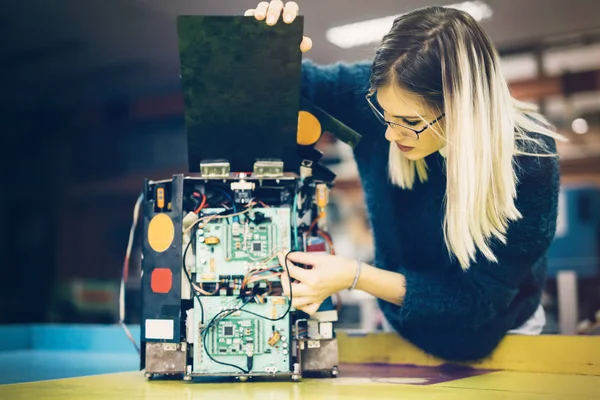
<point x="408" y="109"/>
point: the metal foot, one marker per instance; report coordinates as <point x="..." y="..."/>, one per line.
<point x="335" y="372"/>
<point x="148" y="375"/>
<point x="243" y="378"/>
<point x="187" y="378"/>
<point x="296" y="377"/>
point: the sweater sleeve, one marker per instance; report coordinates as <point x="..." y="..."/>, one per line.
<point x="473" y="306"/>
<point x="338" y="89"/>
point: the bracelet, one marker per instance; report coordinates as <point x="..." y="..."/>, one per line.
<point x="358" y="269"/>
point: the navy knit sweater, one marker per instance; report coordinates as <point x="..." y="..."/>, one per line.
<point x="449" y="313"/>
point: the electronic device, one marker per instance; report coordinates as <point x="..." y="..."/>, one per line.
<point x="213" y="302"/>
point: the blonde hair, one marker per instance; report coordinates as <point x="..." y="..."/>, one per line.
<point x="485" y="128"/>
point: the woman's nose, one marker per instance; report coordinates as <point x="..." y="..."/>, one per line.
<point x="392" y="135"/>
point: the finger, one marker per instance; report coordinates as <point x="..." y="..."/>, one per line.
<point x="274" y="11"/>
<point x="298" y="289"/>
<point x="249" y="13"/>
<point x="298" y="273"/>
<point x="281" y="258"/>
<point x="301" y="289"/>
<point x="310" y="309"/>
<point x="290" y="12"/>
<point x="302" y="302"/>
<point x="293" y="270"/>
<point x="305" y="258"/>
<point x="285" y="285"/>
<point x="306" y="44"/>
<point x="261" y="10"/>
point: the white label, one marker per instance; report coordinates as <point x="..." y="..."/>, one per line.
<point x="326" y="330"/>
<point x="159" y="329"/>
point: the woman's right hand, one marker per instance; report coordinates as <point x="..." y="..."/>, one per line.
<point x="271" y="12"/>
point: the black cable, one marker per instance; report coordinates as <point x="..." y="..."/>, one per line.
<point x="213" y="321"/>
<point x="227" y="195"/>
<point x="211" y="324"/>
<point x="289" y="308"/>
<point x="189" y="278"/>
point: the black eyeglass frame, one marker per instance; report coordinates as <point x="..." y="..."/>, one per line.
<point x="395" y="125"/>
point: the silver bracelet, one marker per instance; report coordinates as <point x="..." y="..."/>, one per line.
<point x="358" y="269"/>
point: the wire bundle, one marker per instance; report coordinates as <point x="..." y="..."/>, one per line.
<point x="125" y="274"/>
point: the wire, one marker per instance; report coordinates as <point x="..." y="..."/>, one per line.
<point x="289" y="308"/>
<point x="189" y="278"/>
<point x="213" y="321"/>
<point x="214" y="216"/>
<point x="227" y="195"/>
<point x="125" y="274"/>
<point x="295" y="218"/>
<point x="262" y="203"/>
<point x="204" y="292"/>
<point x="313" y="224"/>
<point x="202" y="204"/>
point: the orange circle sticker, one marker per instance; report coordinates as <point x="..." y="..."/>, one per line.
<point x="309" y="129"/>
<point x="161" y="233"/>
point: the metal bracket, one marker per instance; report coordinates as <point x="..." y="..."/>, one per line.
<point x="215" y="169"/>
<point x="268" y="169"/>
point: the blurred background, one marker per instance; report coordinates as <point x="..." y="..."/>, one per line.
<point x="91" y="105"/>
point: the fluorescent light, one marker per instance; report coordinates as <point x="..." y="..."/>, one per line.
<point x="373" y="30"/>
<point x="478" y="9"/>
<point x="360" y="33"/>
<point x="580" y="126"/>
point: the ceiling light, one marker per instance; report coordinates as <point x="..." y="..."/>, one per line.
<point x="373" y="30"/>
<point x="580" y="126"/>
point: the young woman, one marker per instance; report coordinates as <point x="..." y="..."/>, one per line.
<point x="461" y="184"/>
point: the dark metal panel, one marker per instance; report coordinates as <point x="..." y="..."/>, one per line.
<point x="163" y="306"/>
<point x="241" y="89"/>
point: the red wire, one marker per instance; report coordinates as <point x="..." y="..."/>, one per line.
<point x="329" y="241"/>
<point x="202" y="204"/>
<point x="312" y="225"/>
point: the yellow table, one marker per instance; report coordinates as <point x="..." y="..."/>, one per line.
<point x="378" y="366"/>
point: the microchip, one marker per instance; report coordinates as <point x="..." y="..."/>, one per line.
<point x="256" y="246"/>
<point x="228" y="331"/>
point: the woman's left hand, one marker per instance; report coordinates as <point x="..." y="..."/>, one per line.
<point x="326" y="275"/>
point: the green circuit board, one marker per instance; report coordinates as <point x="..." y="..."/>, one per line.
<point x="226" y="247"/>
<point x="249" y="242"/>
<point x="239" y="335"/>
<point x="236" y="337"/>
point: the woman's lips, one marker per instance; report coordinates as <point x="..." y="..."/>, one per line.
<point x="404" y="148"/>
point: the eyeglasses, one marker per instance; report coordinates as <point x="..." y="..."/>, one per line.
<point x="407" y="131"/>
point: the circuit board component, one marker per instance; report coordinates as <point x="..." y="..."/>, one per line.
<point x="235" y="248"/>
<point x="242" y="339"/>
<point x="236" y="337"/>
